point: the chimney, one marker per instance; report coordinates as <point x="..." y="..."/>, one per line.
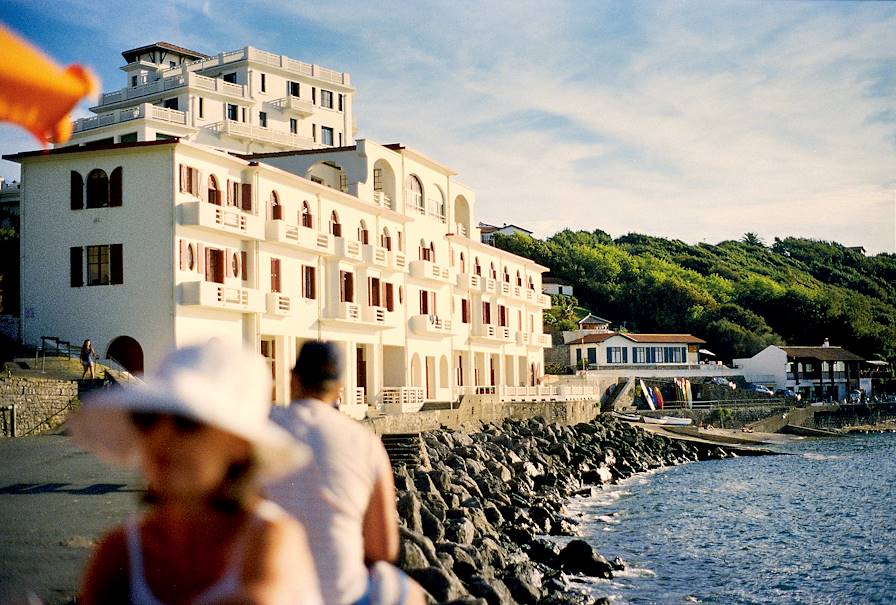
<point x="826" y="343"/>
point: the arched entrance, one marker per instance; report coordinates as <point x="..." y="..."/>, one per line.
<point x="127" y="352"/>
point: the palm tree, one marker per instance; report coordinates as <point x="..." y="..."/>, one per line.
<point x="752" y="239"/>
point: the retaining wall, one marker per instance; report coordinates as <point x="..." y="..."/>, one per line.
<point x="855" y="415"/>
<point x="40" y="404"/>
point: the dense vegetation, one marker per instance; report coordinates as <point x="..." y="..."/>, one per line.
<point x="737" y="295"/>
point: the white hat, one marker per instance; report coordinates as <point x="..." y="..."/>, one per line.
<point x="213" y="383"/>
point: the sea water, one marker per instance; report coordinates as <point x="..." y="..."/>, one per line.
<point x="814" y="527"/>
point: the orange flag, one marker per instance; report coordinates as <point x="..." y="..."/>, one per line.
<point x="35" y="92"/>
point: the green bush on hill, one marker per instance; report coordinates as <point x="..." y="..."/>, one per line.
<point x="740" y="296"/>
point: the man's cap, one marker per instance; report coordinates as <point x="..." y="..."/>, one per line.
<point x="318" y="362"/>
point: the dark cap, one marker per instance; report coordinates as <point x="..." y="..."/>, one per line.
<point x="318" y="362"/>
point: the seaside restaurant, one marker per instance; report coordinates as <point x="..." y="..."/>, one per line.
<point x="822" y="373"/>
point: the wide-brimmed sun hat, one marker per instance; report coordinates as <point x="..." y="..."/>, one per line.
<point x="214" y="383"/>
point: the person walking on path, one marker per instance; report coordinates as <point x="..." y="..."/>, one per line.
<point x="88" y="355"/>
<point x="200" y="431"/>
<point x="346" y="497"/>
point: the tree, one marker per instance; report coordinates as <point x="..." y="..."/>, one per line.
<point x="751" y="239"/>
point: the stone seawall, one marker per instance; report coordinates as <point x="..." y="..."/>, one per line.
<point x="855" y="415"/>
<point x="40" y="404"/>
<point x="734" y="417"/>
<point x="477" y="410"/>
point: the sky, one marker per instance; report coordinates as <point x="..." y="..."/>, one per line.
<point x="699" y="121"/>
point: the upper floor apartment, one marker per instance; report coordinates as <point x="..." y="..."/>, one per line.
<point x="246" y="101"/>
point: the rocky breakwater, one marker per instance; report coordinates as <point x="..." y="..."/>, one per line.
<point x="480" y="519"/>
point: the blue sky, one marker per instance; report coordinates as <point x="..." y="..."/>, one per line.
<point x="698" y="121"/>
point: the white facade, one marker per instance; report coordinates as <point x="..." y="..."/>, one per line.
<point x="376" y="251"/>
<point x="554" y="289"/>
<point x="247" y="101"/>
<point x="768" y="367"/>
<point x="618" y="350"/>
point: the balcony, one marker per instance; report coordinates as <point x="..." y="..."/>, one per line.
<point x="398" y="261"/>
<point x="540" y="340"/>
<point x="144" y="110"/>
<point x="489" y="285"/>
<point x="248" y="53"/>
<point x="278" y="304"/>
<point x="226" y="219"/>
<point x="375" y="255"/>
<point x="543" y="301"/>
<point x="294" y="105"/>
<point x="345" y="311"/>
<point x="281" y="232"/>
<point x="401" y="400"/>
<point x="381" y="199"/>
<point x="241" y="130"/>
<point x="172" y="82"/>
<point x="466" y="281"/>
<point x="522" y="338"/>
<point x="348" y="249"/>
<point x="218" y="296"/>
<point x="430" y="325"/>
<point x="376" y="315"/>
<point x="424" y="269"/>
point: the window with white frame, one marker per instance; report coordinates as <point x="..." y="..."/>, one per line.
<point x="617" y="354"/>
<point x="326" y="135"/>
<point x="326" y="99"/>
<point x="414" y="192"/>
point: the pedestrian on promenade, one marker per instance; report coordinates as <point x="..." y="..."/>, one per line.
<point x="88" y="354"/>
<point x="199" y="430"/>
<point x="346" y="497"/>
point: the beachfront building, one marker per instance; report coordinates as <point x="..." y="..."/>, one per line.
<point x="618" y="350"/>
<point x="816" y="373"/>
<point x="146" y="245"/>
<point x="487" y="232"/>
<point x="553" y="286"/>
<point x="246" y="100"/>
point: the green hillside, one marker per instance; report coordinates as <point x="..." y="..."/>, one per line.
<point x="737" y="295"/>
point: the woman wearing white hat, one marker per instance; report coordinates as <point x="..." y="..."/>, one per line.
<point x="200" y="434"/>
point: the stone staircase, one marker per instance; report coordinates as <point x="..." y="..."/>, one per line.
<point x="405" y="449"/>
<point x="615" y="400"/>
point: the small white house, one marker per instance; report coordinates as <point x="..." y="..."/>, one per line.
<point x="487" y="232"/>
<point x="613" y="349"/>
<point x="553" y="286"/>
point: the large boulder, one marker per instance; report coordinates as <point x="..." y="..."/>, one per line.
<point x="410" y="556"/>
<point x="493" y="590"/>
<point x="409" y="510"/>
<point x="461" y="531"/>
<point x="440" y="583"/>
<point x="579" y="557"/>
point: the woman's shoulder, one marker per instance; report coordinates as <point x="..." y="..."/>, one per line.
<point x="106" y="578"/>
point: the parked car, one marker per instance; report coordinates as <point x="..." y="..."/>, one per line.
<point x="855" y="396"/>
<point x="788" y="394"/>
<point x="760" y="389"/>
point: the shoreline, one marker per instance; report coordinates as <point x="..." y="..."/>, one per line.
<point x="482" y="513"/>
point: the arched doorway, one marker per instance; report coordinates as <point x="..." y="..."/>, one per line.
<point x="127" y="352"/>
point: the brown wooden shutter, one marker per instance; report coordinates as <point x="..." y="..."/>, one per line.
<point x="183" y="255"/>
<point x="246" y="197"/>
<point x="390" y="296"/>
<point x="116" y="263"/>
<point x="77" y="191"/>
<point x="342" y="286"/>
<point x="76" y="257"/>
<point x="229" y="195"/>
<point x="200" y="259"/>
<point x="275" y="275"/>
<point x="432" y="303"/>
<point x="183" y="178"/>
<point x="277" y="213"/>
<point x="219" y="267"/>
<point x="243" y="261"/>
<point x="115" y="187"/>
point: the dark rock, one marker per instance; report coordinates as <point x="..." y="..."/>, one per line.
<point x="441" y="584"/>
<point x="424" y="543"/>
<point x="460" y="531"/>
<point x="542" y="550"/>
<point x="494" y="591"/>
<point x="579" y="556"/>
<point x="522" y="590"/>
<point x="432" y="527"/>
<point x="617" y="564"/>
<point x="409" y="510"/>
<point x="410" y="556"/>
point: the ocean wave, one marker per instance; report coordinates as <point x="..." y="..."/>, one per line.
<point x="635" y="572"/>
<point x="815" y="456"/>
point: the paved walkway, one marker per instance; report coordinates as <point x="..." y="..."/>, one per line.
<point x="55" y="501"/>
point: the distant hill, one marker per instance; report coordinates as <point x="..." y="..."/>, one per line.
<point x="738" y="295"/>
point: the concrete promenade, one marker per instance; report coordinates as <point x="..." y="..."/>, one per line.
<point x="55" y="501"/>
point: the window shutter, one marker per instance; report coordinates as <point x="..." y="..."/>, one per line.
<point x="624" y="354"/>
<point x="183" y="178"/>
<point x="183" y="255"/>
<point x="275" y="275"/>
<point x="115" y="187"/>
<point x="116" y="264"/>
<point x="200" y="259"/>
<point x="243" y="260"/>
<point x="229" y="194"/>
<point x="609" y="355"/>
<point x="219" y="267"/>
<point x="246" y="197"/>
<point x="342" y="286"/>
<point x="432" y="303"/>
<point x="76" y="256"/>
<point x="77" y="191"/>
<point x="198" y="189"/>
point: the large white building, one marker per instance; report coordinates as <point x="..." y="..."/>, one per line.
<point x="146" y="244"/>
<point x="247" y="100"/>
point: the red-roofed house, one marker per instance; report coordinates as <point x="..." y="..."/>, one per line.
<point x="609" y="349"/>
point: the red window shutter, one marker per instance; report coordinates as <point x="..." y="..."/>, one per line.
<point x="116" y="264"/>
<point x="390" y="296"/>
<point x="229" y="194"/>
<point x="76" y="258"/>
<point x="275" y="275"/>
<point x="200" y="259"/>
<point x="219" y="267"/>
<point x="246" y="196"/>
<point x="77" y="191"/>
<point x="243" y="263"/>
<point x="183" y="255"/>
<point x="342" y="286"/>
<point x="350" y="287"/>
<point x="424" y="303"/>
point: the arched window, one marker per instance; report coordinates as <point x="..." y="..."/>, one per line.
<point x="386" y="239"/>
<point x="276" y="208"/>
<point x="115" y="187"/>
<point x="432" y="252"/>
<point x="424" y="250"/>
<point x="492" y="272"/>
<point x="363" y="233"/>
<point x="77" y="191"/>
<point x="531" y="284"/>
<point x="97" y="189"/>
<point x="463" y="263"/>
<point x="519" y="279"/>
<point x="214" y="194"/>
<point x="307" y="219"/>
<point x="335" y="226"/>
<point x="476" y="267"/>
<point x="415" y="194"/>
<point x="506" y="276"/>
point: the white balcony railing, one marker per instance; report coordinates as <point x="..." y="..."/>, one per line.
<point x="345" y="311"/>
<point x="505" y="289"/>
<point x="278" y="304"/>
<point x="398" y="261"/>
<point x="218" y="296"/>
<point x="228" y="219"/>
<point x="430" y="325"/>
<point x="466" y="281"/>
<point x="424" y="269"/>
<point x="266" y="58"/>
<point x="241" y="130"/>
<point x="543" y="301"/>
<point x="172" y="80"/>
<point x="540" y="340"/>
<point x="375" y="255"/>
<point x="308" y="239"/>
<point x="460" y="229"/>
<point x="144" y="110"/>
<point x="485" y="331"/>
<point x="346" y="248"/>
<point x="381" y="199"/>
<point x="489" y="285"/>
<point x="401" y="400"/>
<point x="375" y="315"/>
<point x="294" y="105"/>
<point x="522" y="338"/>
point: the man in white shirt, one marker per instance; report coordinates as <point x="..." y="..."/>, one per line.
<point x="345" y="497"/>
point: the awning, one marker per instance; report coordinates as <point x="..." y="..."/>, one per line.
<point x="707" y="352"/>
